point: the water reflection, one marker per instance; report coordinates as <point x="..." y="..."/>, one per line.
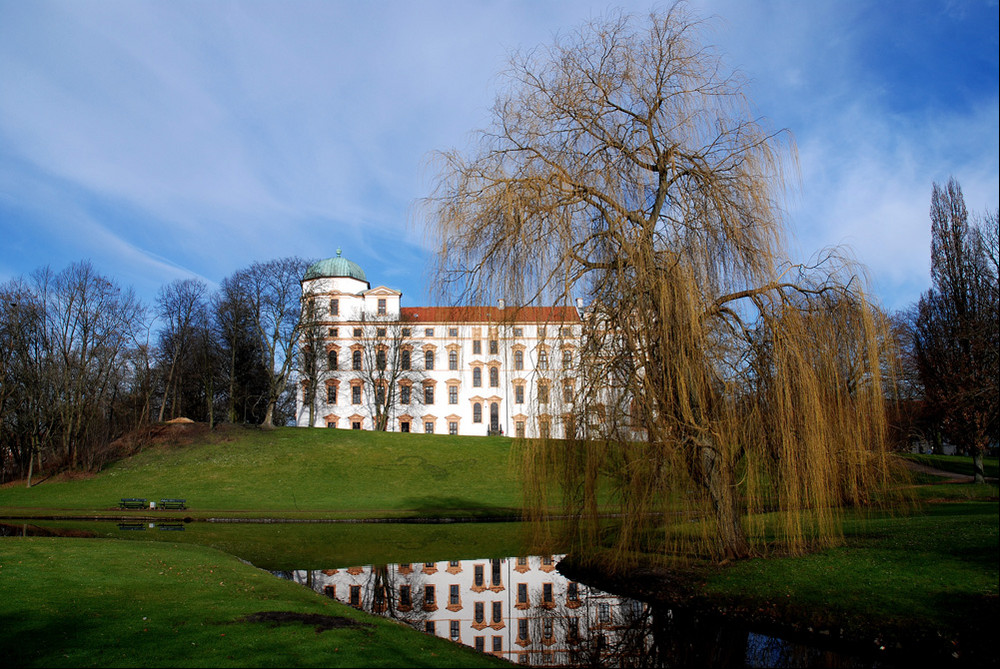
<point x="523" y="610"/>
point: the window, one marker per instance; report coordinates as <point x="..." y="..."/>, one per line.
<point x="428" y="427"/>
<point x="452" y="332"/>
<point x="453" y="360"/>
<point x="547" y="628"/>
<point x="518" y="332"/>
<point x="429" y="595"/>
<point x="429" y="626"/>
<point x="519" y="360"/>
<point x="380" y="395"/>
<point x="494" y="347"/>
<point x="547" y="593"/>
<point x="404" y="394"/>
<point x="428" y="359"/>
<point x="567" y="358"/>
<point x="477" y="347"/>
<point x="404" y="596"/>
<point x="380" y="332"/>
<point x="477" y="377"/>
<point x="567" y="391"/>
<point x="522" y="628"/>
<point x="480" y="612"/>
<point x="452" y="394"/>
<point x="478" y="579"/>
<point x="604" y="612"/>
<point x="454" y="629"/>
<point x="404" y="426"/>
<point x="331" y="360"/>
<point x="333" y="332"/>
<point x="519" y="429"/>
<point x="335" y="307"/>
<point x="543" y="392"/>
<point x="544" y="428"/>
<point x="497" y="644"/>
<point x="428" y="394"/>
<point x="331" y="423"/>
<point x="495" y="564"/>
<point x="406" y="332"/>
<point x="381" y="306"/>
<point x="481" y="644"/>
<point x="497" y="612"/>
<point x="453" y="595"/>
<point x="380" y="359"/>
<point x="522" y="562"/>
<point x="543" y="360"/>
<point x="428" y="332"/>
<point x="356" y="359"/>
<point x="453" y="427"/>
<point x="477" y="413"/>
<point x="356" y="425"/>
<point x="357" y="332"/>
<point x="404" y="359"/>
<point x="355" y="394"/>
<point x="331" y="394"/>
<point x="522" y="593"/>
<point x="494" y="377"/>
<point x="573" y="591"/>
<point x="518" y="394"/>
<point x="355" y="595"/>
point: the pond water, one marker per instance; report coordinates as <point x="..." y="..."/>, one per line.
<point x="518" y="607"/>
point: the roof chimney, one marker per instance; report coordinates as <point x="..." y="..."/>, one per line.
<point x="501" y="303"/>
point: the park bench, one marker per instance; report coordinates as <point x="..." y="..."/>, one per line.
<point x="173" y="504"/>
<point x="133" y="503"/>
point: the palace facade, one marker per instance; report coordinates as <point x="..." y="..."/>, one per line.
<point x="455" y="370"/>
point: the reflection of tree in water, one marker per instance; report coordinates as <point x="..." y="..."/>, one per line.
<point x="391" y="591"/>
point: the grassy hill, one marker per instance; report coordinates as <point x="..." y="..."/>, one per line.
<point x="293" y="473"/>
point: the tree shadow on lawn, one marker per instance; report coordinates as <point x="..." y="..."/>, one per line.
<point x="434" y="505"/>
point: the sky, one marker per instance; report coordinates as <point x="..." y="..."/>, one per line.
<point x="190" y="138"/>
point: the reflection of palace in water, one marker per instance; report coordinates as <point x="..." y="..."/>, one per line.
<point x="518" y="608"/>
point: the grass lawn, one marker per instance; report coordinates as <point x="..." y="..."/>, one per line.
<point x="959" y="464"/>
<point x="106" y="603"/>
<point x="294" y="473"/>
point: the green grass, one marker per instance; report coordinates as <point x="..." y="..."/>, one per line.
<point x="105" y="603"/>
<point x="930" y="575"/>
<point x="296" y="473"/>
<point x="959" y="464"/>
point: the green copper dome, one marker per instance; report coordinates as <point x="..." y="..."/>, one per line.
<point x="332" y="267"/>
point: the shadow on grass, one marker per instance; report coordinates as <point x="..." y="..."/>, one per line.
<point x="441" y="506"/>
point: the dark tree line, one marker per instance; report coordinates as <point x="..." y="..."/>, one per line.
<point x="954" y="345"/>
<point x="83" y="363"/>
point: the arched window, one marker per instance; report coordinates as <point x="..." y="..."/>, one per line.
<point x="494" y="377"/>
<point x="543" y="360"/>
<point x="452" y="360"/>
<point x="356" y="359"/>
<point x="331" y="394"/>
<point x="428" y="359"/>
<point x="519" y="359"/>
<point x="331" y="359"/>
<point x="380" y="359"/>
<point x="404" y="359"/>
<point x="477" y="377"/>
<point x="477" y="413"/>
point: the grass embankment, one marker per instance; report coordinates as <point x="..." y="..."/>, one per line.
<point x="105" y="603"/>
<point x="294" y="474"/>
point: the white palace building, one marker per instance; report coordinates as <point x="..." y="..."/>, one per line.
<point x="447" y="370"/>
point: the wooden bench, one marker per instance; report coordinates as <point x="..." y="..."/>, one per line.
<point x="173" y="504"/>
<point x="133" y="503"/>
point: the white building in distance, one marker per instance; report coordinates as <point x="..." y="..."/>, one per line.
<point x="454" y="370"/>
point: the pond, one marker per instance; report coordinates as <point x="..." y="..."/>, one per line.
<point x="511" y="603"/>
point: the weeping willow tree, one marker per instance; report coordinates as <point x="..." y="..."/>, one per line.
<point x="717" y="383"/>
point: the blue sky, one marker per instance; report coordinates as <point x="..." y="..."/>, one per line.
<point x="166" y="140"/>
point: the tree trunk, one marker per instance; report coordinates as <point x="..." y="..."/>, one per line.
<point x="977" y="466"/>
<point x="733" y="539"/>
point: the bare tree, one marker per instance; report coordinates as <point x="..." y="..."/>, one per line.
<point x="273" y="291"/>
<point x="181" y="304"/>
<point x="626" y="163"/>
<point x="956" y="334"/>
<point x="387" y="367"/>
